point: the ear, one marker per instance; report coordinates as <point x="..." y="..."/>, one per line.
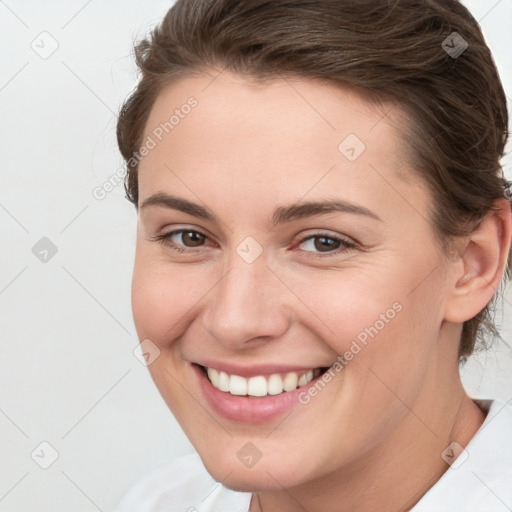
<point x="477" y="275"/>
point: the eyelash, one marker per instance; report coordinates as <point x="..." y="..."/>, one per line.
<point x="345" y="244"/>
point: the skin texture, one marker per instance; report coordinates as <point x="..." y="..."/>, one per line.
<point x="373" y="438"/>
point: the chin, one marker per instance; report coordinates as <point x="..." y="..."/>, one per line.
<point x="269" y="476"/>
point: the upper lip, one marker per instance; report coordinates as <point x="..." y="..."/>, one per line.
<point x="256" y="369"/>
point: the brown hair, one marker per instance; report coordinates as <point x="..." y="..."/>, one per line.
<point x="392" y="48"/>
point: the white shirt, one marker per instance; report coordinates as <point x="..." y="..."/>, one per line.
<point x="479" y="480"/>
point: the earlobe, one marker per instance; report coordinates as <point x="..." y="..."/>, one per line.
<point x="478" y="273"/>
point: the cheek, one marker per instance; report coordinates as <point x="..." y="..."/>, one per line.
<point x="163" y="298"/>
<point x="352" y="305"/>
<point x="380" y="318"/>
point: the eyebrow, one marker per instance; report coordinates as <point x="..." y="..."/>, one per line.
<point x="296" y="211"/>
<point x="177" y="203"/>
<point x="282" y="214"/>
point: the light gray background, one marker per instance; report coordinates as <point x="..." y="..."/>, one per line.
<point x="68" y="375"/>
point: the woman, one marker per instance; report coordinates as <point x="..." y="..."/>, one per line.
<point x="323" y="226"/>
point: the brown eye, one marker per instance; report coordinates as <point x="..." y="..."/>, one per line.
<point x="324" y="244"/>
<point x="320" y="243"/>
<point x="182" y="239"/>
<point x="190" y="238"/>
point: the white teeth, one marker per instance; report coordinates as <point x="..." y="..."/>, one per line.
<point x="237" y="385"/>
<point x="223" y="382"/>
<point x="259" y="385"/>
<point x="290" y="381"/>
<point x="304" y="379"/>
<point x="275" y="385"/>
<point x="213" y="375"/>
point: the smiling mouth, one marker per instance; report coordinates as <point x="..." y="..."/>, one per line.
<point x="260" y="385"/>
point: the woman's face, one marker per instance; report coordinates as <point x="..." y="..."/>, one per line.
<point x="296" y="237"/>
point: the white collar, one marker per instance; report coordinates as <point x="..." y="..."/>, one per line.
<point x="483" y="480"/>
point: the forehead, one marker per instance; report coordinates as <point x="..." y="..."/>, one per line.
<point x="289" y="133"/>
<point x="288" y="105"/>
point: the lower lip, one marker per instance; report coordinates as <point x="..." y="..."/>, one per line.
<point x="246" y="409"/>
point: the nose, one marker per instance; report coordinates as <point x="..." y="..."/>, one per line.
<point x="248" y="304"/>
